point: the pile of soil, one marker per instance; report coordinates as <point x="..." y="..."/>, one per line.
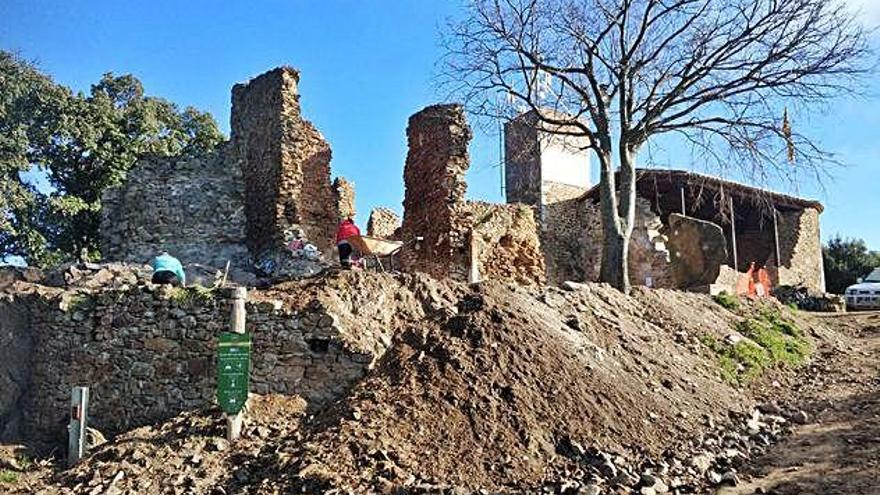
<point x="495" y="387"/>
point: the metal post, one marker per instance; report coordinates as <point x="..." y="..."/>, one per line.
<point x="733" y="234"/>
<point x="237" y="325"/>
<point x="776" y="239"/>
<point x="683" y="209"/>
<point x="76" y="429"/>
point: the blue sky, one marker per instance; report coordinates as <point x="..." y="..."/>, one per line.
<point x="366" y="66"/>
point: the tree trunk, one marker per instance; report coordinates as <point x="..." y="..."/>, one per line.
<point x="618" y="217"/>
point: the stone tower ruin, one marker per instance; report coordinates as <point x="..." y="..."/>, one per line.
<point x="541" y="166"/>
<point x="285" y="161"/>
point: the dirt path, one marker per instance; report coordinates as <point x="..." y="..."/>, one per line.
<point x="838" y="451"/>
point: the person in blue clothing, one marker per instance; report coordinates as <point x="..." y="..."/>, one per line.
<point x="168" y="270"/>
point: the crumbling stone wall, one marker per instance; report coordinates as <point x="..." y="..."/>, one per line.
<point x="343" y="193"/>
<point x="502" y="240"/>
<point x="193" y="207"/>
<point x="285" y="161"/>
<point x="434" y="177"/>
<point x="648" y="255"/>
<point x="149" y="352"/>
<point x="800" y="248"/>
<point x="505" y="238"/>
<point x="383" y="223"/>
<point x="564" y="228"/>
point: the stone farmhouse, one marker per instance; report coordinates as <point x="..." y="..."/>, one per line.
<point x="692" y="231"/>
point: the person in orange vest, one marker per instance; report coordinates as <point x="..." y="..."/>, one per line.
<point x="346" y="230"/>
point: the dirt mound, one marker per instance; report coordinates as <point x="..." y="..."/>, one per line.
<point x="494" y="387"/>
<point x="495" y="392"/>
<point x="187" y="454"/>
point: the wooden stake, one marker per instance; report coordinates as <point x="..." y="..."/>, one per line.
<point x="474" y="252"/>
<point x="237" y="325"/>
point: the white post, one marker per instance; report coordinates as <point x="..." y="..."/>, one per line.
<point x="474" y="252"/>
<point x="76" y="429"/>
<point x="237" y="325"/>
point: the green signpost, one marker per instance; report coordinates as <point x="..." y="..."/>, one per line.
<point x="233" y="371"/>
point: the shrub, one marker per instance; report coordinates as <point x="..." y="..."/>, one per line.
<point x="772" y="341"/>
<point x="727" y="301"/>
<point x="192" y="296"/>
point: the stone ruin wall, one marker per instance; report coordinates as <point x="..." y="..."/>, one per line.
<point x="522" y="160"/>
<point x="148" y="353"/>
<point x="648" y="254"/>
<point x="237" y="202"/>
<point x="434" y="178"/>
<point x="286" y="163"/>
<point x="800" y="247"/>
<point x="343" y="193"/>
<point x="504" y="237"/>
<point x="383" y="223"/>
<point x="193" y="207"/>
<point x="562" y="238"/>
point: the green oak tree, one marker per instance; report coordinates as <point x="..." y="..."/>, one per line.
<point x="846" y="260"/>
<point x="79" y="144"/>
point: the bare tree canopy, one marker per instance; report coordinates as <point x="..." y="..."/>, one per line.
<point x="719" y="73"/>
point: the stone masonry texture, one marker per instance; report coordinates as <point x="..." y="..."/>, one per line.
<point x="343" y="193"/>
<point x="239" y="203"/>
<point x="192" y="207"/>
<point x="285" y="162"/>
<point x="436" y="163"/>
<point x="149" y="352"/>
<point x="800" y="248"/>
<point x="501" y="239"/>
<point x="383" y="223"/>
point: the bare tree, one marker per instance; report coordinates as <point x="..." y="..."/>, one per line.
<point x="721" y="74"/>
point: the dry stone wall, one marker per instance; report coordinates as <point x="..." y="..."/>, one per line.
<point x="192" y="207"/>
<point x="649" y="261"/>
<point x="505" y="238"/>
<point x="148" y="352"/>
<point x="286" y="162"/>
<point x="383" y="223"/>
<point x="800" y="248"/>
<point x="434" y="177"/>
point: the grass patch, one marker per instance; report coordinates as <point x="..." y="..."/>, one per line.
<point x="77" y="301"/>
<point x="7" y="476"/>
<point x="772" y="341"/>
<point x="25" y="462"/>
<point x="192" y="296"/>
<point x="726" y="300"/>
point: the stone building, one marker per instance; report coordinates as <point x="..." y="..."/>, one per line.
<point x="546" y="169"/>
<point x="691" y="230"/>
<point x="242" y="203"/>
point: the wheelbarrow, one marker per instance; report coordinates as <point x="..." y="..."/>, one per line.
<point x="375" y="250"/>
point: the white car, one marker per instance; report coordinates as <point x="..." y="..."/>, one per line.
<point x="866" y="293"/>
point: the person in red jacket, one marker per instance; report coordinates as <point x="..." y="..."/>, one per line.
<point x="346" y="229"/>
